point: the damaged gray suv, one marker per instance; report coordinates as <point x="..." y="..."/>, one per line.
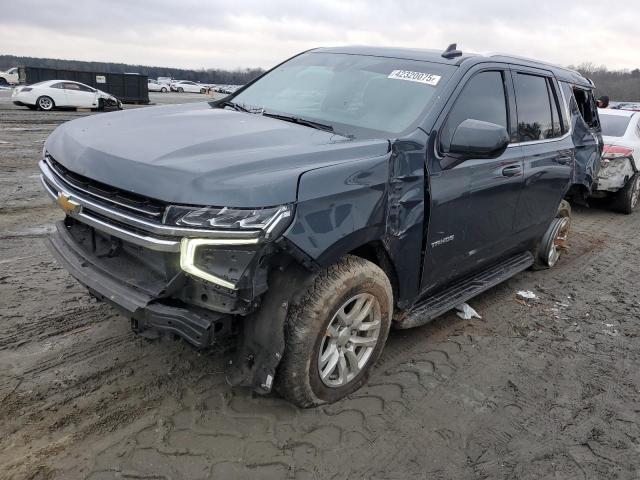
<point x="342" y="193"/>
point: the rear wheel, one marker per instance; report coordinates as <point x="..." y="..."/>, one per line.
<point x="335" y="333"/>
<point x="626" y="199"/>
<point x="45" y="103"/>
<point x="3" y="82"/>
<point x="163" y="90"/>
<point x="554" y="240"/>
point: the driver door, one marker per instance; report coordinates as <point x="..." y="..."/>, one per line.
<point x="79" y="95"/>
<point x="473" y="201"/>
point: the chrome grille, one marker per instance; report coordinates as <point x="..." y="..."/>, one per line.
<point x="110" y="196"/>
<point x="138" y="223"/>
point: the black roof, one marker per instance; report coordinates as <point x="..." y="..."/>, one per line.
<point x="430" y="55"/>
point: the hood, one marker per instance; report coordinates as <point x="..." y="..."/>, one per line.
<point x="200" y="155"/>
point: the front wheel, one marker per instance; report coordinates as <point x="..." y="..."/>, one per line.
<point x="626" y="199"/>
<point x="180" y="90"/>
<point x="163" y="90"/>
<point x="45" y="103"/>
<point x="335" y="333"/>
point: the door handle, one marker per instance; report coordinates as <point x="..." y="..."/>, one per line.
<point x="563" y="160"/>
<point x="512" y="171"/>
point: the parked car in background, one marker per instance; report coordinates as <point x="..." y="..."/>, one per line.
<point x="165" y="80"/>
<point x="344" y="191"/>
<point x="618" y="177"/>
<point x="62" y="94"/>
<point x="188" y="86"/>
<point x="635" y="106"/>
<point x="10" y="77"/>
<point x="155" y="86"/>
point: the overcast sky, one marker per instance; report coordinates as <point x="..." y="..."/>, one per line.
<point x="238" y="33"/>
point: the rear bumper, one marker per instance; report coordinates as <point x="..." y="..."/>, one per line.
<point x="146" y="310"/>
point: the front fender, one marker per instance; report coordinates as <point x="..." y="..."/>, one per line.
<point x="340" y="208"/>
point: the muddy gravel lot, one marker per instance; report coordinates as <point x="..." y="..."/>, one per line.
<point x="539" y="389"/>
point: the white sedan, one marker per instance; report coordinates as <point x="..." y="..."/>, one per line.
<point x="155" y="86"/>
<point x="64" y="94"/>
<point x="619" y="175"/>
<point x="188" y="86"/>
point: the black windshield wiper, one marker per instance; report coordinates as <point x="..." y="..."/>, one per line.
<point x="235" y="106"/>
<point x="300" y="121"/>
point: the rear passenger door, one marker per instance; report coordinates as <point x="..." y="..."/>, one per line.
<point x="547" y="150"/>
<point x="473" y="202"/>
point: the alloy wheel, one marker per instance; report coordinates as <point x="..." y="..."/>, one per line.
<point x="349" y="340"/>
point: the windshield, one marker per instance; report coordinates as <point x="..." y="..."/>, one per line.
<point x="614" y="125"/>
<point x="357" y="95"/>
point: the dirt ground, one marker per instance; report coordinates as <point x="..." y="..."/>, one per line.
<point x="545" y="389"/>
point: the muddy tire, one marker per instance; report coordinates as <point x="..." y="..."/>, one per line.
<point x="555" y="238"/>
<point x="335" y="333"/>
<point x="626" y="199"/>
<point x="45" y="103"/>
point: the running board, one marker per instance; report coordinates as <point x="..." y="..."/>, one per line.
<point x="462" y="290"/>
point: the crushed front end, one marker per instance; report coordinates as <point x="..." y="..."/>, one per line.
<point x="191" y="271"/>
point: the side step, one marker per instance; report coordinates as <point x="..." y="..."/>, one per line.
<point x="442" y="301"/>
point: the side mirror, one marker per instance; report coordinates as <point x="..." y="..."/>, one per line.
<point x="478" y="139"/>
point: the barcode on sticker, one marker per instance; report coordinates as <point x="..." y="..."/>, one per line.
<point x="420" y="77"/>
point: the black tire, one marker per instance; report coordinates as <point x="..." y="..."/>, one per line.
<point x="45" y="103"/>
<point x="298" y="377"/>
<point x="203" y="90"/>
<point x="554" y="239"/>
<point x="101" y="104"/>
<point x="180" y="90"/>
<point x="163" y="90"/>
<point x="626" y="199"/>
<point x="32" y="107"/>
<point x="3" y="82"/>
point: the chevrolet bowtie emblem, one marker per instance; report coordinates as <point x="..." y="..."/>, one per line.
<point x="68" y="205"/>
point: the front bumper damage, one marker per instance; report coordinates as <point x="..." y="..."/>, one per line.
<point x="146" y="302"/>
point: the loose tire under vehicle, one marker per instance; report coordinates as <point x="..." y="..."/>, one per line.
<point x="626" y="199"/>
<point x="335" y="333"/>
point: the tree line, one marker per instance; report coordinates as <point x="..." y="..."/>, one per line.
<point x="618" y="85"/>
<point x="211" y="75"/>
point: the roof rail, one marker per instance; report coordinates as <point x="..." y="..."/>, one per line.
<point x="452" y="51"/>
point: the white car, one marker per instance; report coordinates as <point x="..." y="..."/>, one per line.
<point x="10" y="77"/>
<point x="188" y="86"/>
<point x="64" y="94"/>
<point x="620" y="165"/>
<point x="155" y="86"/>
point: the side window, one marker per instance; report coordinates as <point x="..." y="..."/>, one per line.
<point x="482" y="98"/>
<point x="71" y="86"/>
<point x="84" y="88"/>
<point x="587" y="106"/>
<point x="57" y="85"/>
<point x="556" y="116"/>
<point x="535" y="120"/>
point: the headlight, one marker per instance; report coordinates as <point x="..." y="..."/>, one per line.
<point x="272" y="221"/>
<point x="224" y="261"/>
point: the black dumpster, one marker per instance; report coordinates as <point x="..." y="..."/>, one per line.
<point x="127" y="87"/>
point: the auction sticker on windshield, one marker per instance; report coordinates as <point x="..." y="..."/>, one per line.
<point x="420" y="77"/>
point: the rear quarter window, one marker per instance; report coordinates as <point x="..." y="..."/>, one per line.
<point x="614" y="125"/>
